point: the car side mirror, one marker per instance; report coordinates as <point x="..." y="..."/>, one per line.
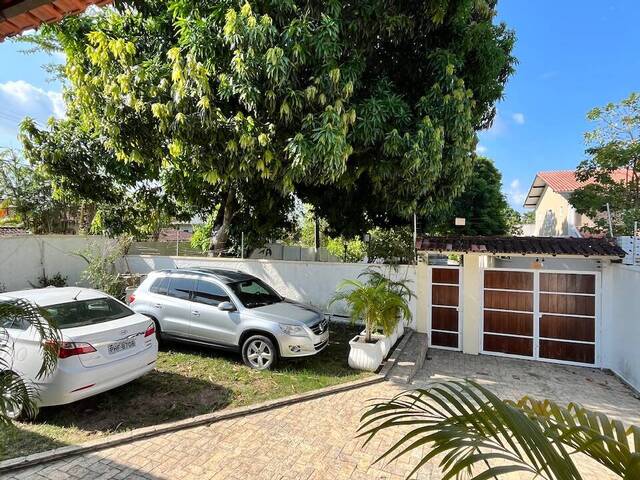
<point x="226" y="306"/>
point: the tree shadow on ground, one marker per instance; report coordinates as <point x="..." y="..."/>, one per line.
<point x="155" y="398"/>
<point x="89" y="465"/>
<point x="331" y="362"/>
<point x="16" y="441"/>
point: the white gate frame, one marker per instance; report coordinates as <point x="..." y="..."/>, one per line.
<point x="430" y="304"/>
<point x="537" y="316"/>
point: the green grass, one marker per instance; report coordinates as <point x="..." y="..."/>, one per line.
<point x="188" y="381"/>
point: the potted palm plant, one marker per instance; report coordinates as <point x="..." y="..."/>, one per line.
<point x="377" y="305"/>
<point x="400" y="287"/>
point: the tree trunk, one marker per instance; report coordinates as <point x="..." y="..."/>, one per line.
<point x="368" y="323"/>
<point x="220" y="236"/>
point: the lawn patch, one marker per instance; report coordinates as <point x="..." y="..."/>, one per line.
<point x="188" y="381"/>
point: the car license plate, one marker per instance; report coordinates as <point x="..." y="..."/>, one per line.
<point x="121" y="346"/>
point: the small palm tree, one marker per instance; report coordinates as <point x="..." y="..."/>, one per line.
<point x="479" y="436"/>
<point x="16" y="395"/>
<point x="377" y="303"/>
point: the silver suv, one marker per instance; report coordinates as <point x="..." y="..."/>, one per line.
<point x="230" y="310"/>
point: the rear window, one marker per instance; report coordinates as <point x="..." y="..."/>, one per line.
<point x="181" y="287"/>
<point x="86" y="312"/>
<point x="12" y="321"/>
<point x="160" y="286"/>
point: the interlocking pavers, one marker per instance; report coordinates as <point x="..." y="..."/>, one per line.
<point x="315" y="440"/>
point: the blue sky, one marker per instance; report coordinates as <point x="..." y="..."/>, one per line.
<point x="574" y="55"/>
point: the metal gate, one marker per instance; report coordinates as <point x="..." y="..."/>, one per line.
<point x="445" y="325"/>
<point x="541" y="315"/>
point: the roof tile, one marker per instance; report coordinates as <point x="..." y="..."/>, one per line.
<point x="565" y="181"/>
<point x="583" y="247"/>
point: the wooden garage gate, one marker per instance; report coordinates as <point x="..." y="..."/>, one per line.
<point x="445" y="325"/>
<point x="543" y="315"/>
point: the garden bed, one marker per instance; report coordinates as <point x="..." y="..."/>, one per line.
<point x="188" y="381"/>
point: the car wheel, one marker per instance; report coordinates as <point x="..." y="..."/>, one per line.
<point x="13" y="396"/>
<point x="259" y="352"/>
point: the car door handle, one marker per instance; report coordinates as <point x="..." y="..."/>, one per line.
<point x="157" y="305"/>
<point x="195" y="313"/>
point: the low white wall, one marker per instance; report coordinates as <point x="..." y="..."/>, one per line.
<point x="550" y="263"/>
<point x="308" y="282"/>
<point x="621" y="322"/>
<point x="25" y="258"/>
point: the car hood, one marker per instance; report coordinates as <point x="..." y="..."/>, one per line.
<point x="288" y="311"/>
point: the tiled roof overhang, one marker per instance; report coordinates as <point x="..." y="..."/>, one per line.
<point x="550" y="246"/>
<point x="17" y="16"/>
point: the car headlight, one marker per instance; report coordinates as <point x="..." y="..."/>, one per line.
<point x="293" y="330"/>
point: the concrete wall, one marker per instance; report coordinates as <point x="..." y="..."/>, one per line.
<point x="471" y="314"/>
<point x="309" y="282"/>
<point x="621" y="322"/>
<point x="550" y="263"/>
<point x="25" y="258"/>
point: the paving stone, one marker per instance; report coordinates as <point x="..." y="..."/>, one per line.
<point x="315" y="440"/>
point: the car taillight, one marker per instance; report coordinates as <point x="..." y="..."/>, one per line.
<point x="151" y="329"/>
<point x="132" y="298"/>
<point x="70" y="349"/>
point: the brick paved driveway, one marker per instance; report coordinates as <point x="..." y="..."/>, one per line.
<point x="315" y="439"/>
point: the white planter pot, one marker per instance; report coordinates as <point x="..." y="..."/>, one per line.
<point x="393" y="338"/>
<point x="400" y="329"/>
<point x="365" y="356"/>
<point x="385" y="341"/>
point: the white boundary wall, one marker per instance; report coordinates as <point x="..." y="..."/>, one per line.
<point x="25" y="258"/>
<point x="621" y="332"/>
<point x="308" y="282"/>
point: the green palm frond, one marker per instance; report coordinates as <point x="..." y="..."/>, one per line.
<point x="377" y="302"/>
<point x="21" y="393"/>
<point x="472" y="433"/>
<point x="607" y="441"/>
<point x="375" y="277"/>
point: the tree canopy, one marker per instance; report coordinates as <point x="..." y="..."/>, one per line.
<point x="482" y="205"/>
<point x="367" y="110"/>
<point x="29" y="191"/>
<point x="613" y="162"/>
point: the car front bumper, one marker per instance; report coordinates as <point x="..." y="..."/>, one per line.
<point x="71" y="381"/>
<point x="302" y="346"/>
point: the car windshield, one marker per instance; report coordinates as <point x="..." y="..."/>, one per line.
<point x="86" y="312"/>
<point x="255" y="293"/>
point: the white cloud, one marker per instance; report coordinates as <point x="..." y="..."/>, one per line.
<point x="481" y="149"/>
<point x="518" y="118"/>
<point x="515" y="194"/>
<point x="20" y="99"/>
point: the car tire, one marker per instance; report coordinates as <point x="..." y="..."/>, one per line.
<point x="13" y="410"/>
<point x="259" y="352"/>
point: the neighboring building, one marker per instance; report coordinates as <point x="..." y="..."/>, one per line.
<point x="549" y="195"/>
<point x="6" y="209"/>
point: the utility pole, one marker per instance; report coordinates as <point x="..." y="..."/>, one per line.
<point x="415" y="238"/>
<point x="317" y="237"/>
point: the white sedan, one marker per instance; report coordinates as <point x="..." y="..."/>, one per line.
<point x="104" y="344"/>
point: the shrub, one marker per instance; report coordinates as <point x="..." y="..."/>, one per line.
<point x="101" y="272"/>
<point x="56" y="281"/>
